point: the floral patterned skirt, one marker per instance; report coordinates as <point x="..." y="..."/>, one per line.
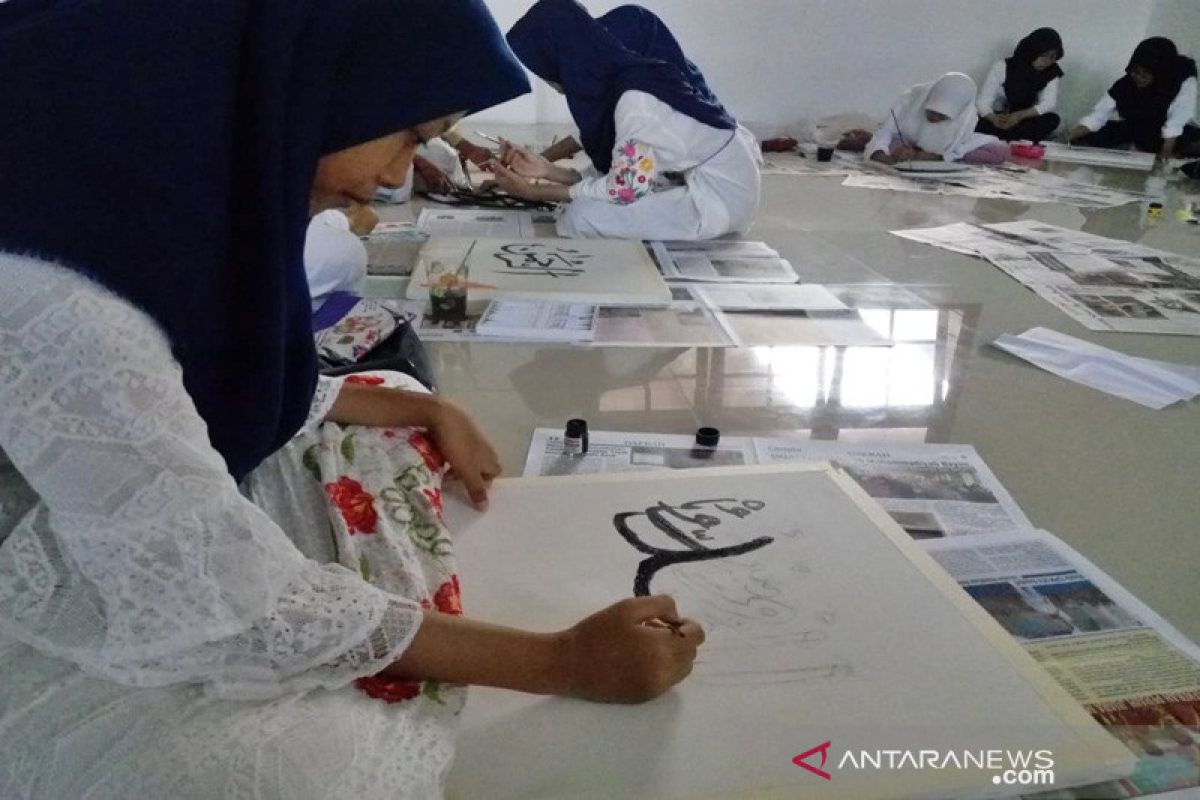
<point x="367" y="498"/>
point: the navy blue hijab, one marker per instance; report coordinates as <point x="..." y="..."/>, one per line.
<point x="168" y="153"/>
<point x="643" y="33"/>
<point x="560" y="42"/>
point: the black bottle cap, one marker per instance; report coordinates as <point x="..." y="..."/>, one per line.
<point x="708" y="437"/>
<point x="576" y="428"/>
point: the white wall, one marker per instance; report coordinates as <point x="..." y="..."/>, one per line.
<point x="1178" y="20"/>
<point x="777" y="62"/>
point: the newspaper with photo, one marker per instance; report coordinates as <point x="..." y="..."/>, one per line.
<point x="933" y="491"/>
<point x="729" y="262"/>
<point x="1104" y="284"/>
<point x="1132" y="670"/>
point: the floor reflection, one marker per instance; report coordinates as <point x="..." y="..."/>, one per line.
<point x="907" y="387"/>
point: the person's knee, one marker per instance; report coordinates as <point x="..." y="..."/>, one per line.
<point x="991" y="153"/>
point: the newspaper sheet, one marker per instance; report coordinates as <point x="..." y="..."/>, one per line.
<point x="477" y="223"/>
<point x="734" y="263"/>
<point x="1104" y="284"/>
<point x="1132" y="670"/>
<point x="616" y="451"/>
<point x="1027" y="186"/>
<point x="932" y="491"/>
<point x="531" y="320"/>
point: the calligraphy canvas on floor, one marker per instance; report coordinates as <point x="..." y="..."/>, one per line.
<point x="600" y="272"/>
<point x="826" y="624"/>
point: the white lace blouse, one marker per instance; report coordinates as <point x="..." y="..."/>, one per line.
<point x="125" y="546"/>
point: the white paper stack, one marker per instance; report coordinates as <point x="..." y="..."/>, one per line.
<point x="1156" y="384"/>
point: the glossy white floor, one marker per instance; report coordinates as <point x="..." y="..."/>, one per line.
<point x="1119" y="482"/>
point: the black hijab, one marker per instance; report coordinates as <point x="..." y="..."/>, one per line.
<point x="1023" y="83"/>
<point x="1146" y="109"/>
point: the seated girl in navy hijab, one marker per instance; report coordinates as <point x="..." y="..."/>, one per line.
<point x="220" y="575"/>
<point x="1153" y="107"/>
<point x="669" y="161"/>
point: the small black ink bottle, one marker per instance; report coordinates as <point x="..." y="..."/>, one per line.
<point x="575" y="440"/>
<point x="707" y="440"/>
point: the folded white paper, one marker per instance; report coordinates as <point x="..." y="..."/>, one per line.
<point x="1156" y="384"/>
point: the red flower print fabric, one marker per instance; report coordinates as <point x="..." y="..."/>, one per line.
<point x="386" y="483"/>
<point x="435" y="500"/>
<point x="433" y="458"/>
<point x="389" y="690"/>
<point x="364" y="380"/>
<point x="356" y="504"/>
<point x="448" y="598"/>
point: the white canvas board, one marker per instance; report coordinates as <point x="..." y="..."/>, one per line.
<point x="1099" y="156"/>
<point x="597" y="271"/>
<point x="824" y="622"/>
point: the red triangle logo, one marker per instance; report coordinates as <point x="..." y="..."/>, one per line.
<point x="823" y="749"/>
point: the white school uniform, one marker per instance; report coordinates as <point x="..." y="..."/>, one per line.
<point x="992" y="98"/>
<point x="335" y="259"/>
<point x="1180" y="113"/>
<point x="720" y="187"/>
<point x="162" y="636"/>
<point x="953" y="95"/>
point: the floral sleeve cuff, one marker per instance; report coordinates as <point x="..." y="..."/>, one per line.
<point x="632" y="175"/>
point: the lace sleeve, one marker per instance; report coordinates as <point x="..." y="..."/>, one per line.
<point x="141" y="562"/>
<point x="323" y="401"/>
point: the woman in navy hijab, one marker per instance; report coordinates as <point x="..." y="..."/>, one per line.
<point x="161" y="635"/>
<point x="670" y="161"/>
<point x="643" y="33"/>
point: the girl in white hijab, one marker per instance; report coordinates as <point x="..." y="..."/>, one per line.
<point x="935" y="122"/>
